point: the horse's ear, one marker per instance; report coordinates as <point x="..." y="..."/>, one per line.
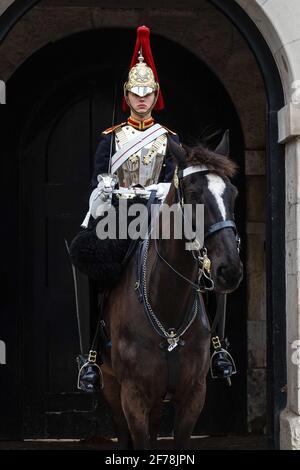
<point x="178" y="152"/>
<point x="223" y="147"/>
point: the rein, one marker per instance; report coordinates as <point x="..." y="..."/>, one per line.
<point x="172" y="337"/>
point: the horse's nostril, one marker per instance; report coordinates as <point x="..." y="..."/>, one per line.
<point x="221" y="270"/>
<point x="228" y="273"/>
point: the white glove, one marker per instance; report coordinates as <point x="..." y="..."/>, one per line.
<point x="161" y="188"/>
<point x="100" y="198"/>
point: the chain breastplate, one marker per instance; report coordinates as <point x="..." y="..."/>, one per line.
<point x="144" y="166"/>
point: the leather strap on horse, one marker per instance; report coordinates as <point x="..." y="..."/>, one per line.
<point x="173" y="358"/>
<point x="222" y="365"/>
<point x="171" y="346"/>
<point x="134" y="243"/>
<point x="173" y="365"/>
<point x="95" y="341"/>
<point x="218" y="325"/>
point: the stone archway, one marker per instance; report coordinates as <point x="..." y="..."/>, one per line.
<point x="60" y="127"/>
<point x="278" y="27"/>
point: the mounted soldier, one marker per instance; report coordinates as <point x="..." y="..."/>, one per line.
<point x="136" y="150"/>
<point x="133" y="160"/>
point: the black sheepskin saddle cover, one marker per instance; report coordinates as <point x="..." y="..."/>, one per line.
<point x="101" y="260"/>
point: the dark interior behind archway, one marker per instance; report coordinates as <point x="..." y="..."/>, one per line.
<point x="197" y="104"/>
<point x="62" y="98"/>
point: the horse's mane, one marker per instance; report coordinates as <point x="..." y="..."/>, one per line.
<point x="220" y="164"/>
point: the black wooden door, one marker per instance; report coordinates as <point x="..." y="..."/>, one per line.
<point x="60" y="131"/>
<point x="56" y="173"/>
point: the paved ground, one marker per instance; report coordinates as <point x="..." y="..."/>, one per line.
<point x="203" y="443"/>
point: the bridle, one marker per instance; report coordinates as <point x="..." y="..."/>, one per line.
<point x="181" y="174"/>
<point x="199" y="253"/>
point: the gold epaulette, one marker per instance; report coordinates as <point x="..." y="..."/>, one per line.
<point x="169" y="130"/>
<point x="111" y="129"/>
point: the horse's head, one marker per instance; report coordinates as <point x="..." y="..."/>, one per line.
<point x="204" y="179"/>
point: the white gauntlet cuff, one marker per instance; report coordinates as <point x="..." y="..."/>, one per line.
<point x="162" y="190"/>
<point x="100" y="198"/>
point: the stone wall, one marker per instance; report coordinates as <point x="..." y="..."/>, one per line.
<point x="4" y="4"/>
<point x="203" y="30"/>
<point x="279" y="24"/>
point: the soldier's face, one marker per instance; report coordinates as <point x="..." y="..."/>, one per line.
<point x="141" y="105"/>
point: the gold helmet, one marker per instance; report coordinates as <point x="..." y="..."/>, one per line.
<point x="141" y="80"/>
<point x="142" y="77"/>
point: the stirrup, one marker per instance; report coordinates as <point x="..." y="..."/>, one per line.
<point x="90" y="377"/>
<point x="222" y="365"/>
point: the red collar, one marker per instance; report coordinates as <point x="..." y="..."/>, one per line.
<point x="140" y="125"/>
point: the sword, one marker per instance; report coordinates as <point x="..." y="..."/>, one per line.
<point x="112" y="125"/>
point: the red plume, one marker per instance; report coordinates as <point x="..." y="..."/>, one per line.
<point x="143" y="44"/>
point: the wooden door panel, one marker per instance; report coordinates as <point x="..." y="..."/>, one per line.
<point x="68" y="145"/>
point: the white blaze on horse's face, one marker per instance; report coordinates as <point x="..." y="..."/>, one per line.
<point x="216" y="185"/>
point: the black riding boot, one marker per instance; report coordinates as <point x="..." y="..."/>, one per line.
<point x="89" y="376"/>
<point x="222" y="365"/>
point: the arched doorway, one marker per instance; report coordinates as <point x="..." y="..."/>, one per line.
<point x="59" y="123"/>
<point x="276" y="289"/>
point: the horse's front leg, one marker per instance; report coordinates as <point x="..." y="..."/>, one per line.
<point x="112" y="394"/>
<point x="187" y="411"/>
<point x="136" y="411"/>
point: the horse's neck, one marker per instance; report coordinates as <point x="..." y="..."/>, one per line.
<point x="171" y="296"/>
